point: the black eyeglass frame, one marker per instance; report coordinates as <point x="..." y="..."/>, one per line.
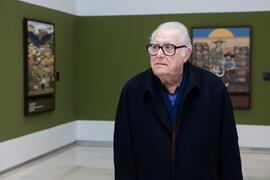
<point x="161" y="47"/>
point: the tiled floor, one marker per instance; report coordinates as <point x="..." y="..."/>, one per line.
<point x="256" y="164"/>
<point x="95" y="162"/>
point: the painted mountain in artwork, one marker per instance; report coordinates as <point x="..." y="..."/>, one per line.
<point x="39" y="34"/>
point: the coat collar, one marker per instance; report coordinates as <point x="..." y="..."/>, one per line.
<point x="152" y="91"/>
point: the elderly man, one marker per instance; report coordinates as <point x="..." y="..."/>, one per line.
<point x="175" y="121"/>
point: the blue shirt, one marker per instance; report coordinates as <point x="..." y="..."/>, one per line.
<point x="172" y="101"/>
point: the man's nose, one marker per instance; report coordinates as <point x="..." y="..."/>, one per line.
<point x="160" y="53"/>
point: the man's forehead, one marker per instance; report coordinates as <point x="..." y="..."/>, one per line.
<point x="167" y="33"/>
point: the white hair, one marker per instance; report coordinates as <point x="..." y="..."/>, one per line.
<point x="184" y="37"/>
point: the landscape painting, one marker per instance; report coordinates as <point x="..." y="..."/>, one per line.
<point x="224" y="51"/>
<point x="39" y="66"/>
<point x="40" y="60"/>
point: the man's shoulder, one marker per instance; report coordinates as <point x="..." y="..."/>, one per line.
<point x="207" y="78"/>
<point x="140" y="81"/>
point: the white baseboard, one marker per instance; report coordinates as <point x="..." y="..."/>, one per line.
<point x="254" y="136"/>
<point x="95" y="130"/>
<point x="19" y="150"/>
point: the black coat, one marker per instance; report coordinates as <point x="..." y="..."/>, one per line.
<point x="203" y="145"/>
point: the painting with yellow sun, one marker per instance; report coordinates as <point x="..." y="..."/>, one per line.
<point x="224" y="51"/>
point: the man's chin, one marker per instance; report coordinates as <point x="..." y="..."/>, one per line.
<point x="160" y="72"/>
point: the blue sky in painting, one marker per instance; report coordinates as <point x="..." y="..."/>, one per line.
<point x="237" y="31"/>
<point x="35" y="24"/>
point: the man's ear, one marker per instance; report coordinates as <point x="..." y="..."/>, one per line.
<point x="188" y="52"/>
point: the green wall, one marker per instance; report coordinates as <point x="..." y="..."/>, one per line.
<point x="13" y="123"/>
<point x="112" y="50"/>
<point x="97" y="55"/>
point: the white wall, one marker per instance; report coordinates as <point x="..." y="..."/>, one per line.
<point x="19" y="150"/>
<point x="138" y="7"/>
<point x="25" y="148"/>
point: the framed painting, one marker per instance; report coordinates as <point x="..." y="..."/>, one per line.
<point x="225" y="51"/>
<point x="39" y="66"/>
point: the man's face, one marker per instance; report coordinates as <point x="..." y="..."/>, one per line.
<point x="161" y="64"/>
<point x="218" y="44"/>
<point x="228" y="58"/>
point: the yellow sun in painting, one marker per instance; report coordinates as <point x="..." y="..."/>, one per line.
<point x="221" y="33"/>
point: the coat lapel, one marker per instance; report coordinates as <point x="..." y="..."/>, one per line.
<point x="158" y="103"/>
<point x="191" y="85"/>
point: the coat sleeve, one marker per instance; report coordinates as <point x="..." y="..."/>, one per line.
<point x="231" y="168"/>
<point x="124" y="162"/>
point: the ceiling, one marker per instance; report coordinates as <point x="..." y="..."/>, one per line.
<point x="137" y="7"/>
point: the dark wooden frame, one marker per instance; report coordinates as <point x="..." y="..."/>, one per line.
<point x="43" y="102"/>
<point x="240" y="100"/>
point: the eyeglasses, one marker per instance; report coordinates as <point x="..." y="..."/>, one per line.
<point x="167" y="49"/>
